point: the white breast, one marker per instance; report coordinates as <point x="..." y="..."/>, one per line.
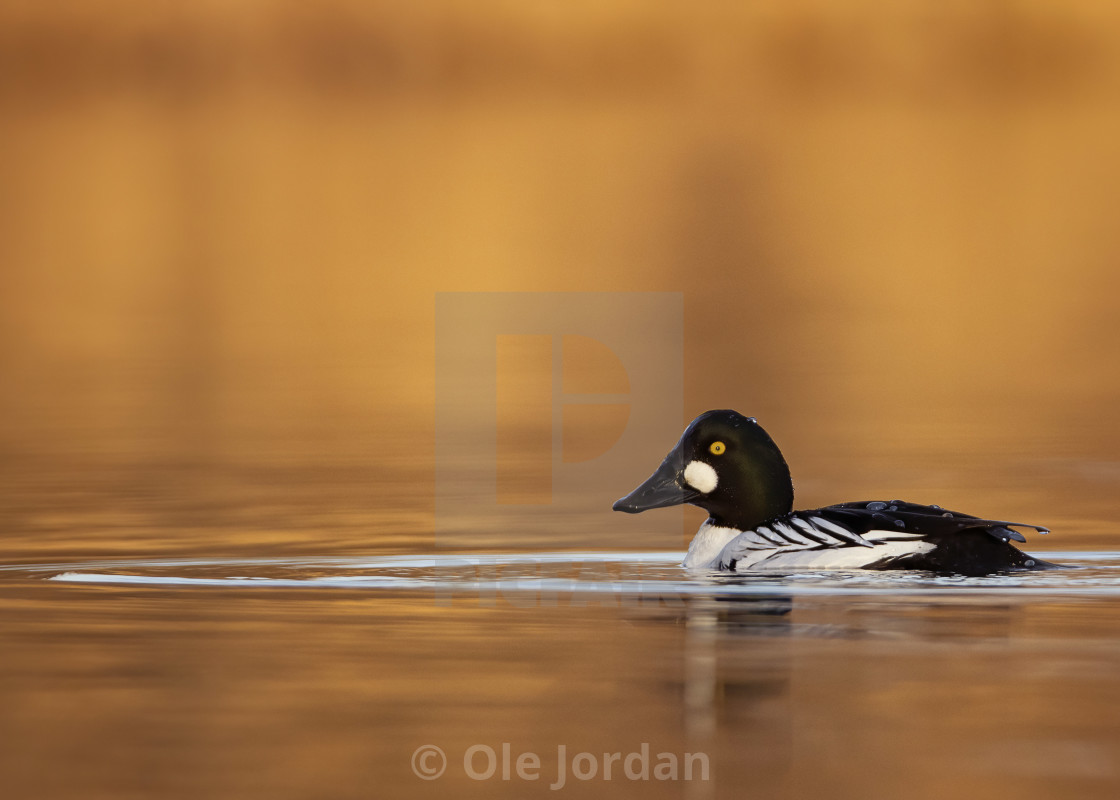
<point x="709" y="542"/>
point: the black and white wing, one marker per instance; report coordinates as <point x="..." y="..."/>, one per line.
<point x="881" y="535"/>
<point x="928" y="521"/>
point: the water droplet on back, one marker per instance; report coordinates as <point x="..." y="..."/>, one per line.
<point x="876" y="506"/>
<point x="947" y="514"/>
<point x="900" y="523"/>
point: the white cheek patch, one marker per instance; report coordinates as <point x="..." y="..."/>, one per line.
<point x="701" y="477"/>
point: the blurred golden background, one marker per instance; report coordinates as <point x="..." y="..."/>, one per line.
<point x="222" y="226"/>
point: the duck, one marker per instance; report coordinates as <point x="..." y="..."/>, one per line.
<point x="728" y="465"/>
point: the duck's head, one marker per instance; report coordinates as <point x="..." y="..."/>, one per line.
<point x="726" y="464"/>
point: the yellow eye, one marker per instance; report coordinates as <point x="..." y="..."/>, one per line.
<point x="717" y="448"/>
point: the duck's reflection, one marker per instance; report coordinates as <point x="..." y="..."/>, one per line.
<point x="765" y="690"/>
<point x="709" y="690"/>
<point x="737" y="682"/>
<point x="735" y="687"/>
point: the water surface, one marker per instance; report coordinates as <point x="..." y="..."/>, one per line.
<point x="297" y="677"/>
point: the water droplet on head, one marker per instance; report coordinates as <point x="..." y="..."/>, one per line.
<point x="947" y="514"/>
<point x="900" y="523"/>
<point x="937" y="507"/>
<point x="876" y="506"/>
<point x="894" y="508"/>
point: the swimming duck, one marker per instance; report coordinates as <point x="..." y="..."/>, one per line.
<point x="728" y="465"/>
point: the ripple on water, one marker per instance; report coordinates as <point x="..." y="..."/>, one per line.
<point x="649" y="574"/>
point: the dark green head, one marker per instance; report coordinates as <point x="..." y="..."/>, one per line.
<point x="726" y="464"/>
